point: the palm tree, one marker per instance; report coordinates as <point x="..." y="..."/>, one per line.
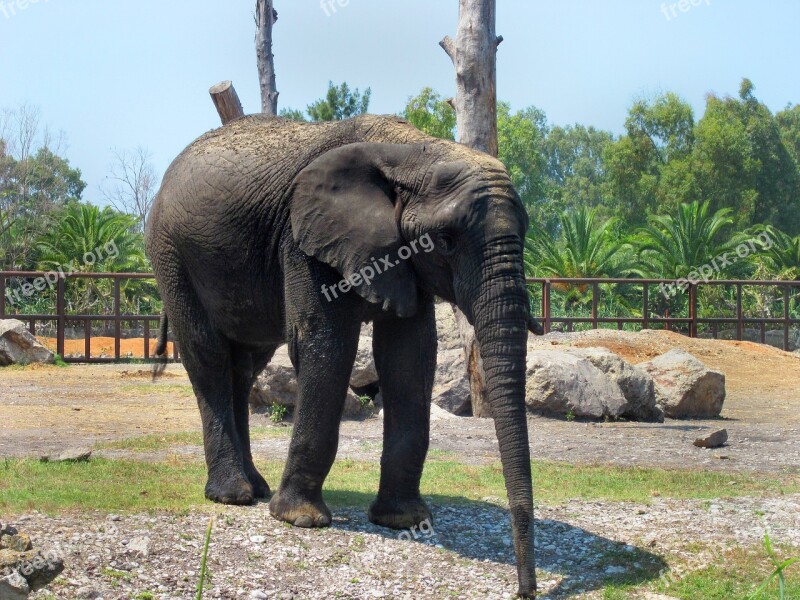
<point x="86" y="238"/>
<point x="779" y="252"/>
<point x="687" y="245"/>
<point x="672" y="246"/>
<point x="584" y="249"/>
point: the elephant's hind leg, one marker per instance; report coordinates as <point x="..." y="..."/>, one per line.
<point x="247" y="366"/>
<point x="208" y="360"/>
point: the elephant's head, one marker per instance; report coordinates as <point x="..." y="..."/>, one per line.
<point x="357" y="205"/>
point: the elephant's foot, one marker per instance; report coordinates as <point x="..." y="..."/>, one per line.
<point x="231" y="490"/>
<point x="399" y="515"/>
<point x="260" y="487"/>
<point x="298" y="511"/>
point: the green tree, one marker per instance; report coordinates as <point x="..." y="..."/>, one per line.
<point x="789" y="125"/>
<point x="429" y="113"/>
<point x="88" y="239"/>
<point x="649" y="169"/>
<point x="521" y="137"/>
<point x="673" y="246"/>
<point x="743" y="163"/>
<point x="33" y="186"/>
<point x="584" y="248"/>
<point x="340" y="103"/>
<point x="575" y="169"/>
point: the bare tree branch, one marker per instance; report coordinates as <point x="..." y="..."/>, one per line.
<point x="132" y="183"/>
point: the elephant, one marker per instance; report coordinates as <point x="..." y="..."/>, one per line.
<point x="268" y="231"/>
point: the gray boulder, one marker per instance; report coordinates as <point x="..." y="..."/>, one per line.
<point x="19" y="346"/>
<point x="364" y="372"/>
<point x="453" y="396"/>
<point x="635" y="384"/>
<point x="564" y="383"/>
<point x="277" y="384"/>
<point x="14" y="587"/>
<point x="685" y="387"/>
<point x="446" y="330"/>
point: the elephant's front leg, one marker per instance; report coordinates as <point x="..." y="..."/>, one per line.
<point x="405" y="357"/>
<point x="323" y="354"/>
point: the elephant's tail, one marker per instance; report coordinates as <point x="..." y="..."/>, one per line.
<point x="161" y="348"/>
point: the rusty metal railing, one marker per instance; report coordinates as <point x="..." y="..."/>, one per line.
<point x="689" y="323"/>
<point x="61" y="318"/>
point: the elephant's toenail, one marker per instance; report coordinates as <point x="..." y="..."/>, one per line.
<point x="303" y="521"/>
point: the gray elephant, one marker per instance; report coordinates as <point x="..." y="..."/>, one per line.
<point x="267" y="231"/>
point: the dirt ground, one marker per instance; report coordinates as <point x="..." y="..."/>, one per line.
<point x="44" y="409"/>
<point x="104" y="347"/>
<point x="467" y="554"/>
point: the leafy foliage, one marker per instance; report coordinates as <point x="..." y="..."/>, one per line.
<point x="428" y="112"/>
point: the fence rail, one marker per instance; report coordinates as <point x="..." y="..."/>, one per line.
<point x="648" y="317"/>
<point x="61" y="318"/>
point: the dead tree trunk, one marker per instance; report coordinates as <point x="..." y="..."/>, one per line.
<point x="474" y="55"/>
<point x="266" y="16"/>
<point x="226" y="100"/>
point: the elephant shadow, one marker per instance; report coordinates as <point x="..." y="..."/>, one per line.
<point x="570" y="560"/>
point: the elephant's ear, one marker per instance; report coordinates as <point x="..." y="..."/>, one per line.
<point x="343" y="213"/>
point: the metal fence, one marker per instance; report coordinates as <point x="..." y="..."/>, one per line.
<point x="63" y="320"/>
<point x="646" y="313"/>
<point x="690" y="324"/>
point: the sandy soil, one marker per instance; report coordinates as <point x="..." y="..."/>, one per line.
<point x="104" y="347"/>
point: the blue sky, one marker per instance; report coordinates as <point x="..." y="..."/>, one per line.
<point x="122" y="74"/>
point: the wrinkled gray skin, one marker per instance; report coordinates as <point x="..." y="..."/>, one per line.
<point x="254" y="218"/>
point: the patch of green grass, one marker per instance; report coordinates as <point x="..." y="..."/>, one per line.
<point x="164" y="441"/>
<point x="735" y="574"/>
<point x="177" y="485"/>
<point x="59" y="361"/>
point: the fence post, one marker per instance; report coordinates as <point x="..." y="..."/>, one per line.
<point x="117" y="313"/>
<point x="786" y="317"/>
<point x="692" y="310"/>
<point x="2" y="296"/>
<point x="60" y="317"/>
<point x="546" y="305"/>
<point x="595" y="292"/>
<point x="645" y="307"/>
<point x="739" y="324"/>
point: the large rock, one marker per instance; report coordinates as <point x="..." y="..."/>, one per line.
<point x="685" y="388"/>
<point x="18" y="346"/>
<point x="453" y="396"/>
<point x="364" y="372"/>
<point x="564" y="383"/>
<point x="14" y="587"/>
<point x="635" y="384"/>
<point x="446" y="329"/>
<point x="277" y="384"/>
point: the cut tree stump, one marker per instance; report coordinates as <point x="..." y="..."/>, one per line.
<point x="227" y="102"/>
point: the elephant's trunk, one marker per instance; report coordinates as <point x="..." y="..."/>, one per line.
<point x="500" y="313"/>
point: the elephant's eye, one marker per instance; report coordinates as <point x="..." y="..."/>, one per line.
<point x="445" y="244"/>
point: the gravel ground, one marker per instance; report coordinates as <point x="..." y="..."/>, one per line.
<point x="466" y="553"/>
